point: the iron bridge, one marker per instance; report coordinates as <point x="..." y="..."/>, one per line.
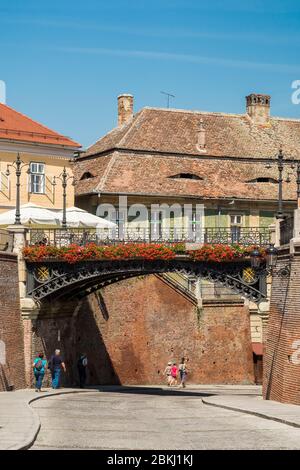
<point x="56" y="280"/>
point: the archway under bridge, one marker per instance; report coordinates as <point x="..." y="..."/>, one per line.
<point x="51" y="280"/>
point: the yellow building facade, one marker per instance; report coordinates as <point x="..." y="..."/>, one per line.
<point x="44" y="154"/>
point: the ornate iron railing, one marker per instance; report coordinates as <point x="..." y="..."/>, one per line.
<point x="63" y="237"/>
<point x="286" y="230"/>
<point x="6" y="240"/>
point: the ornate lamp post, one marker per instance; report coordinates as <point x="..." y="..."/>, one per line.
<point x="18" y="164"/>
<point x="64" y="177"/>
<point x="279" y="214"/>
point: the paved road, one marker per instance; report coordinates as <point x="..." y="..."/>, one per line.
<point x="149" y="419"/>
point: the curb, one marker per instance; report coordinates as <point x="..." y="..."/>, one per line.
<point x="36" y="419"/>
<point x="254" y="413"/>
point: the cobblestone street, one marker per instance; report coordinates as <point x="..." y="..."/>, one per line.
<point x="153" y="419"/>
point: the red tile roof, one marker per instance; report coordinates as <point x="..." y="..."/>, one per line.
<point x="15" y="126"/>
<point x="142" y="156"/>
<point x="152" y="174"/>
<point x="176" y="131"/>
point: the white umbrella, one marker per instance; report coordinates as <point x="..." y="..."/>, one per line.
<point x="31" y="214"/>
<point x="77" y="217"/>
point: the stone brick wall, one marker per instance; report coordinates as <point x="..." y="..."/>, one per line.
<point x="281" y="378"/>
<point x="12" y="373"/>
<point x="131" y="329"/>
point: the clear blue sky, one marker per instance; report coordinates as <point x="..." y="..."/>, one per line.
<point x="65" y="61"/>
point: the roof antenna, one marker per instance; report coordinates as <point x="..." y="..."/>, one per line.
<point x="168" y="96"/>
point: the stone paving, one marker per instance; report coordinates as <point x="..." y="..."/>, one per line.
<point x="200" y="417"/>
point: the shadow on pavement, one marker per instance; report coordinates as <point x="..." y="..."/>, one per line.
<point x="131" y="389"/>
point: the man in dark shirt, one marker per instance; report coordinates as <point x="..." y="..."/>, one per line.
<point x="56" y="364"/>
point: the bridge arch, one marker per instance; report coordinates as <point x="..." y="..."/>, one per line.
<point x="53" y="280"/>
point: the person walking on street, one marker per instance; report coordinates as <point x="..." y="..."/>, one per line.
<point x="182" y="372"/>
<point x="56" y="364"/>
<point x="81" y="366"/>
<point x="39" y="365"/>
<point x="168" y="374"/>
<point x="174" y="371"/>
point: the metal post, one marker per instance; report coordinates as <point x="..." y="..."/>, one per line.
<point x="64" y="185"/>
<point x="18" y="174"/>
<point x="279" y="214"/>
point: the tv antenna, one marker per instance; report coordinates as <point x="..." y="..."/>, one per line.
<point x="168" y="96"/>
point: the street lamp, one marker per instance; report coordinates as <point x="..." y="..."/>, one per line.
<point x="18" y="164"/>
<point x="279" y="214"/>
<point x="271" y="256"/>
<point x="255" y="258"/>
<point x="280" y="165"/>
<point x="64" y="177"/>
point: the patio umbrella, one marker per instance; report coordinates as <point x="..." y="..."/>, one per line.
<point x="31" y="214"/>
<point x="77" y="217"/>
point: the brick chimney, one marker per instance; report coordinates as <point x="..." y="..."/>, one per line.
<point x="258" y="108"/>
<point x="125" y="108"/>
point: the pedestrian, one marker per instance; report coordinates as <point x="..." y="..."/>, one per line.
<point x="55" y="365"/>
<point x="81" y="366"/>
<point x="168" y="374"/>
<point x="182" y="372"/>
<point x="39" y="366"/>
<point x="174" y="371"/>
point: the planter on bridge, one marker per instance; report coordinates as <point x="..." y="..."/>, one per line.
<point x="75" y="253"/>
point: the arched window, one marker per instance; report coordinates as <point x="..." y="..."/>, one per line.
<point x="187" y="176"/>
<point x="262" y="179"/>
<point x="87" y="175"/>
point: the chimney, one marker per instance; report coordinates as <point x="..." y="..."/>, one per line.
<point x="125" y="108"/>
<point x="258" y="108"/>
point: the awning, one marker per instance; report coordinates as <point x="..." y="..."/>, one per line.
<point x="258" y="348"/>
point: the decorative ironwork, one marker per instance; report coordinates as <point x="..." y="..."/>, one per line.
<point x="65" y="279"/>
<point x="63" y="237"/>
<point x="249" y="275"/>
<point x="42" y="273"/>
<point x="246" y="236"/>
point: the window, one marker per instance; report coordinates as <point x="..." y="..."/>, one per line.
<point x="263" y="179"/>
<point x="87" y="175"/>
<point x="187" y="176"/>
<point x="37" y="178"/>
<point x="235" y="227"/>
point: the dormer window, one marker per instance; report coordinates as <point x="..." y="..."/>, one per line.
<point x="87" y="175"/>
<point x="263" y="179"/>
<point x="187" y="176"/>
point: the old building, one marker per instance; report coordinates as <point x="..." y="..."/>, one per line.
<point x="225" y="162"/>
<point x="44" y="153"/>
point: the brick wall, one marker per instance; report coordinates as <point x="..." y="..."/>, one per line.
<point x="281" y="381"/>
<point x="11" y="333"/>
<point x="133" y="328"/>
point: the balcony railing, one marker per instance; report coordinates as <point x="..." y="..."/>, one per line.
<point x="63" y="237"/>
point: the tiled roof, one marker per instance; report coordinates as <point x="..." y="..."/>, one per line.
<point x="130" y="173"/>
<point x="176" y="131"/>
<point x="141" y="156"/>
<point x="15" y="126"/>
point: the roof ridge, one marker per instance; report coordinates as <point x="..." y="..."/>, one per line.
<point x="217" y="113"/>
<point x="188" y="111"/>
<point x="114" y="129"/>
<point x="50" y="131"/>
<point x="134" y="121"/>
<point x="106" y="172"/>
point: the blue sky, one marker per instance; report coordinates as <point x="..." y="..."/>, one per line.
<point x="65" y="62"/>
